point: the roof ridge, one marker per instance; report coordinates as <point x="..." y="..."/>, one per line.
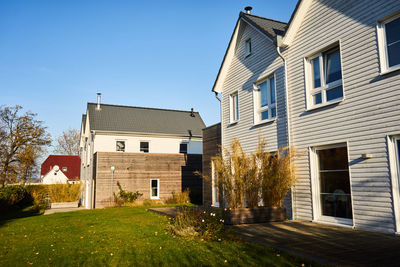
<point x="274" y="20"/>
<point x="124" y="106"/>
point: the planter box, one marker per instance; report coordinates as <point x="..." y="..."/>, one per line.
<point x="63" y="205"/>
<point x="256" y="215"/>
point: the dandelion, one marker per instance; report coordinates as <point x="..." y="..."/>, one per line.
<point x="111" y="254"/>
<point x="225" y="261"/>
<point x="51" y="245"/>
<point x="37" y="253"/>
<point x="156" y="233"/>
<point x="25" y="236"/>
<point x="160" y="248"/>
<point x="81" y="237"/>
<point x="219" y="239"/>
<point x="278" y="255"/>
<point x="302" y="265"/>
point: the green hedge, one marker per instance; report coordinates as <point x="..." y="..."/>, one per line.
<point x="14" y="197"/>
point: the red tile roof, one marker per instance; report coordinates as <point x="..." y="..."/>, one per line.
<point x="72" y="163"/>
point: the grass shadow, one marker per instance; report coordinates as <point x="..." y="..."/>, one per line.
<point x="14" y="214"/>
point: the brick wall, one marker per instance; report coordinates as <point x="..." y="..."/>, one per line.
<point x="211" y="145"/>
<point x="135" y="170"/>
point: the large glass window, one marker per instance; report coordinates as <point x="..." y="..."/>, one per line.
<point x="334" y="182"/>
<point x="389" y="43"/>
<point x="265" y="100"/>
<point x="325" y="78"/>
<point x="234" y="107"/>
<point x="154" y="188"/>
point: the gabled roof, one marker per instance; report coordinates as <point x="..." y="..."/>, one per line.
<point x="295" y="21"/>
<point x="115" y="118"/>
<point x="73" y="164"/>
<point x="268" y="27"/>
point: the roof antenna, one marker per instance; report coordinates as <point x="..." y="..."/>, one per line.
<point x="191" y="113"/>
<point x="248" y="9"/>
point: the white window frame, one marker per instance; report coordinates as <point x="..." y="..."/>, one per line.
<point x="382" y="45"/>
<point x="158" y="188"/>
<point x="234" y="107"/>
<point x="315" y="184"/>
<point x="64" y="169"/>
<point x="140" y="148"/>
<point x="247" y="47"/>
<point x="394" y="162"/>
<point x="214" y="186"/>
<point x="310" y="91"/>
<point x="116" y="147"/>
<point x="257" y="100"/>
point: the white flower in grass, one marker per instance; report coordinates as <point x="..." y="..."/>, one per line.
<point x="202" y="220"/>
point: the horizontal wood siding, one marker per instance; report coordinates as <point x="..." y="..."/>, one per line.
<point x="135" y="170"/>
<point x="243" y="73"/>
<point x="369" y="112"/>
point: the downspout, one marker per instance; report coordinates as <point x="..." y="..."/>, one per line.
<point x="279" y="39"/>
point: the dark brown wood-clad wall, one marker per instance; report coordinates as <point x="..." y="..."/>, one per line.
<point x="211" y="146"/>
<point x="135" y="170"/>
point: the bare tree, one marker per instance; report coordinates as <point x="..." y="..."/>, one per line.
<point x="68" y="143"/>
<point x="21" y="138"/>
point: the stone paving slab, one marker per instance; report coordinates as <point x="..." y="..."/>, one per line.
<point x="326" y="244"/>
<point x="57" y="210"/>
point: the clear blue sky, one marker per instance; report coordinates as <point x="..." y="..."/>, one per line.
<point x="55" y="55"/>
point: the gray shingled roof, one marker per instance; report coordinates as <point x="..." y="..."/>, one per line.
<point x="144" y="120"/>
<point x="267" y="26"/>
<point x="84" y="122"/>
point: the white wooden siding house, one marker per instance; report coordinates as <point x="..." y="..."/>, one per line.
<point x="132" y="139"/>
<point x="342" y="64"/>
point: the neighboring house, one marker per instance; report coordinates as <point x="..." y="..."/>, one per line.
<point x="153" y="151"/>
<point x="342" y="65"/>
<point x="60" y="169"/>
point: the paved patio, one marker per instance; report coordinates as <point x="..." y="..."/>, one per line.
<point x="323" y="243"/>
<point x="51" y="211"/>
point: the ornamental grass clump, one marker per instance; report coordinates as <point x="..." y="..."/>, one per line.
<point x="194" y="222"/>
<point x="261" y="177"/>
<point x="179" y="198"/>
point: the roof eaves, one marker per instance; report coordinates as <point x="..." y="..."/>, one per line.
<point x="225" y="55"/>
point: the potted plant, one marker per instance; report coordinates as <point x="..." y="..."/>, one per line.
<point x="254" y="185"/>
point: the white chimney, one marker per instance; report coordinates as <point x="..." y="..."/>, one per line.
<point x="98" y="101"/>
<point x="248" y="9"/>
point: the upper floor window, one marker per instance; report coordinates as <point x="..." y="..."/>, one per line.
<point x="120" y="146"/>
<point x="265" y="100"/>
<point x="324" y="78"/>
<point x="248" y="47"/>
<point x="183" y="148"/>
<point x="389" y="43"/>
<point x="64" y="169"/>
<point x="234" y="107"/>
<point x="144" y="147"/>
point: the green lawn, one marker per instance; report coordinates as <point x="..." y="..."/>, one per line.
<point x="120" y="237"/>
